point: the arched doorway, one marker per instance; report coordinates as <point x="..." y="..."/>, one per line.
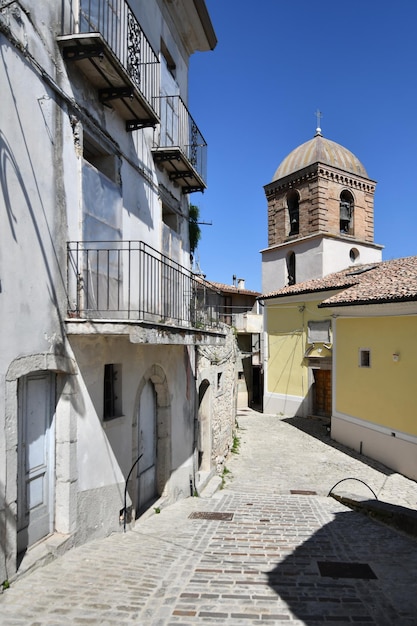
<point x="147" y="446"/>
<point x="204" y="427"/>
<point x="151" y="438"/>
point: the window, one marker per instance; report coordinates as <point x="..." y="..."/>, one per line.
<point x="219" y="382"/>
<point x="170" y="218"/>
<point x="354" y="255"/>
<point x="319" y="332"/>
<point x="112" y="401"/>
<point x="346" y="213"/>
<point x="170" y="63"/>
<point x="364" y="357"/>
<point x="293" y="212"/>
<point x="102" y="159"/>
<point x="291" y="268"/>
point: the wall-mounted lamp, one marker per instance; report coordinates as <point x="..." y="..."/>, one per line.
<point x="396" y="357"/>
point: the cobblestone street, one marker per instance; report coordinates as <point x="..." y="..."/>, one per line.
<point x="257" y="552"/>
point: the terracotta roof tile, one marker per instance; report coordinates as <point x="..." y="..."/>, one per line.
<point x="232" y="288"/>
<point x="386" y="281"/>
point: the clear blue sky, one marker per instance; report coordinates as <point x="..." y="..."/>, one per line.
<point x="254" y="99"/>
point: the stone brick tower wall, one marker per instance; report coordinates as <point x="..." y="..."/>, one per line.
<point x="319" y="188"/>
<point x="320" y="215"/>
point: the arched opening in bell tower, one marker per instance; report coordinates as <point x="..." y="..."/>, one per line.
<point x="293" y="200"/>
<point x="346" y="212"/>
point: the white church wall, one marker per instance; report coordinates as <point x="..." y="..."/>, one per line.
<point x="340" y="254"/>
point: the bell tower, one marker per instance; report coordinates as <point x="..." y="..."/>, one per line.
<point x="320" y="215"/>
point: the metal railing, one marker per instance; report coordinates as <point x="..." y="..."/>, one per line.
<point x="117" y="24"/>
<point x="130" y="280"/>
<point x="178" y="129"/>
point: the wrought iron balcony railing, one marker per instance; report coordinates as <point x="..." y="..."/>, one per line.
<point x="180" y="146"/>
<point x="106" y="40"/>
<point x="130" y="280"/>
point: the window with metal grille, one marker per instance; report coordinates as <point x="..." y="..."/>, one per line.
<point x="112" y="400"/>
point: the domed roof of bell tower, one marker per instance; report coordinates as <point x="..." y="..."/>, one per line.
<point x="323" y="151"/>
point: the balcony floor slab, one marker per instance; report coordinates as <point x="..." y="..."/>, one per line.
<point x="143" y="332"/>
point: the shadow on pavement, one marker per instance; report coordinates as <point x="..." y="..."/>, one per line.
<point x="342" y="574"/>
<point x="319" y="428"/>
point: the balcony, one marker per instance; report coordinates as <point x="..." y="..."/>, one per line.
<point x="180" y="147"/>
<point x="106" y="42"/>
<point x="130" y="283"/>
<point x="246" y="322"/>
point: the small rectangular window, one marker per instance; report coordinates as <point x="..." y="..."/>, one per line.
<point x="170" y="218"/>
<point x="112" y="400"/>
<point x="101" y="158"/>
<point x="170" y="63"/>
<point x="364" y="357"/>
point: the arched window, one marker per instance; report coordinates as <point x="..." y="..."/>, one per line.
<point x="293" y="212"/>
<point x="346" y="212"/>
<point x="291" y="268"/>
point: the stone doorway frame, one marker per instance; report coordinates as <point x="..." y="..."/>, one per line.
<point x="156" y="375"/>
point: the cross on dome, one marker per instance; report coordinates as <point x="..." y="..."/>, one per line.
<point x="318" y="115"/>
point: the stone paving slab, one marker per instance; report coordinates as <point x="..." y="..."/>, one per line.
<point x="260" y="567"/>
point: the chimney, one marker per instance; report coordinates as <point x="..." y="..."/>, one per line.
<point x="240" y="283"/>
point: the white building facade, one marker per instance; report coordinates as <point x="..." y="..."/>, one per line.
<point x="102" y="317"/>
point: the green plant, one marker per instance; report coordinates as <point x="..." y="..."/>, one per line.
<point x="156" y="509"/>
<point x="194" y="228"/>
<point x="5" y="584"/>
<point x="236" y="444"/>
<point x="225" y="473"/>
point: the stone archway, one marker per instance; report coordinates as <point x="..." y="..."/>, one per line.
<point x="153" y="378"/>
<point x="204" y="427"/>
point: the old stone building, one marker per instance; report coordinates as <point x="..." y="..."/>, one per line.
<point x="102" y="316"/>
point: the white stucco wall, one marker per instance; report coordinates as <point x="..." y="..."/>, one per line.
<point x="45" y="202"/>
<point x="397" y="452"/>
<point x="315" y="257"/>
<point x="336" y="254"/>
<point x="105" y="449"/>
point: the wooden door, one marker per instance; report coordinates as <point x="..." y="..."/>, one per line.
<point x="322" y="392"/>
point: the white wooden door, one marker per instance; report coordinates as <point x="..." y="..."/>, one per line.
<point x="35" y="458"/>
<point x="147" y="446"/>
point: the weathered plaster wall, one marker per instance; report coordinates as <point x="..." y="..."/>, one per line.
<point x="32" y="251"/>
<point x="105" y="449"/>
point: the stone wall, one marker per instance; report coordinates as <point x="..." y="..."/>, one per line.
<point x="218" y="366"/>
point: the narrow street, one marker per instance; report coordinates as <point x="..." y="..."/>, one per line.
<point x="269" y="548"/>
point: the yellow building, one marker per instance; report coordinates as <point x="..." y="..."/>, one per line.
<point x="345" y="346"/>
